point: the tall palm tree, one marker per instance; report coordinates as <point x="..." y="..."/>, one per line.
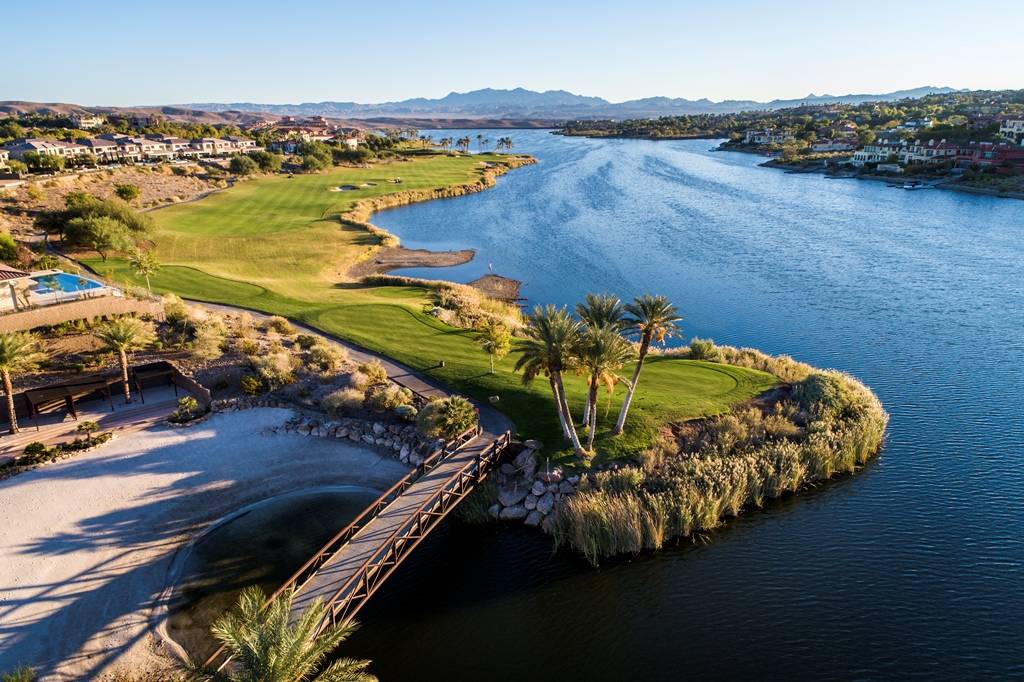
<point x="551" y="339"/>
<point x="463" y="143"/>
<point x="597" y="311"/>
<point x="144" y="264"/>
<point x="495" y="339"/>
<point x="651" y="319"/>
<point x="19" y="352"/>
<point x="601" y="352"/>
<point x="267" y="648"/>
<point x="124" y="335"/>
<point x="480" y="141"/>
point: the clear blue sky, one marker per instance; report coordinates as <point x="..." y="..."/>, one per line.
<point x="124" y="53"/>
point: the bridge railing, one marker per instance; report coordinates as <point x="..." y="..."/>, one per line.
<point x="336" y="543"/>
<point x="348" y="599"/>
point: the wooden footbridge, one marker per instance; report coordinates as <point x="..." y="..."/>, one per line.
<point x="354" y="563"/>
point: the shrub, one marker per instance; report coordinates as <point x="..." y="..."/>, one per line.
<point x="175" y="312"/>
<point x="88" y="427"/>
<point x="279" y="325"/>
<point x="346" y="400"/>
<point x="306" y="341"/>
<point x="387" y="396"/>
<point x="275" y="369"/>
<point x="36" y="452"/>
<point x="326" y="357"/>
<point x="248" y="347"/>
<point x="446" y="418"/>
<point x="374" y="372"/>
<point x="406" y="413"/>
<point x="704" y="349"/>
<point x="188" y="409"/>
<point x="8" y="248"/>
<point x="208" y="338"/>
<point x="244" y="327"/>
<point x="251" y="385"/>
<point x="127" y="191"/>
<point x="22" y="673"/>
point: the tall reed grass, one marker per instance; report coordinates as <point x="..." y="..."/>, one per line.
<point x="830" y="424"/>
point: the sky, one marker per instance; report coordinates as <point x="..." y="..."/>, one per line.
<point x="109" y="52"/>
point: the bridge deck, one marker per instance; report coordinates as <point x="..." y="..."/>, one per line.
<point x="371" y="540"/>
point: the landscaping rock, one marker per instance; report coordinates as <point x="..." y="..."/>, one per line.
<point x="495" y="511"/>
<point x="511" y="496"/>
<point x="530" y="502"/>
<point x="538" y="488"/>
<point x="516" y="513"/>
<point x="552" y="476"/>
<point x="546" y="503"/>
<point x="533" y="444"/>
<point x="533" y="519"/>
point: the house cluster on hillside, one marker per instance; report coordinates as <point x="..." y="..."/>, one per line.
<point x="117" y="147"/>
<point x="893" y="151"/>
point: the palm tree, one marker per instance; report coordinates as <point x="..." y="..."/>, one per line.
<point x="267" y="648"/>
<point x="19" y="352"/>
<point x="480" y="141"/>
<point x="495" y="339"/>
<point x="599" y="311"/>
<point x="652" y="319"/>
<point x="144" y="264"/>
<point x="463" y="144"/>
<point x="124" y="335"/>
<point x="601" y="352"/>
<point x="551" y="339"/>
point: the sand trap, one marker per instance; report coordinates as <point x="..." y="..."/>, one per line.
<point x="344" y="188"/>
<point x="87" y="542"/>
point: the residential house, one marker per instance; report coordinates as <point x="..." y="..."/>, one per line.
<point x="103" y="149"/>
<point x="241" y="144"/>
<point x="880" y="151"/>
<point x="766" y="137"/>
<point x="45" y="147"/>
<point x="916" y="124"/>
<point x="1012" y="129"/>
<point x="834" y="145"/>
<point x="932" y="151"/>
<point x="87" y="121"/>
<point x="990" y="154"/>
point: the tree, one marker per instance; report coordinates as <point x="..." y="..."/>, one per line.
<point x="88" y="427"/>
<point x="598" y="311"/>
<point x="601" y="352"/>
<point x="495" y="339"/>
<point x="19" y="352"/>
<point x="8" y="248"/>
<point x="268" y="648"/>
<point x="100" y="233"/>
<point x="241" y="164"/>
<point x="552" y="336"/>
<point x="463" y="143"/>
<point x="144" y="264"/>
<point x="127" y="191"/>
<point x="790" y="151"/>
<point x="652" y="319"/>
<point x="17" y="167"/>
<point x="267" y="161"/>
<point x="315" y="156"/>
<point x="124" y="335"/>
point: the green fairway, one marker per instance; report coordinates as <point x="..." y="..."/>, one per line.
<point x="274" y="244"/>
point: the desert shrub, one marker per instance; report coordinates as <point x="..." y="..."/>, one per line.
<point x="446" y="418"/>
<point x="358" y="380"/>
<point x="188" y="409"/>
<point x="244" y="326"/>
<point x="704" y="349"/>
<point x="175" y="311"/>
<point x="88" y="427"/>
<point x="306" y="341"/>
<point x="374" y="372"/>
<point x="280" y="325"/>
<point x="251" y="385"/>
<point x="826" y="395"/>
<point x="36" y="452"/>
<point x="275" y="369"/>
<point x="406" y="413"/>
<point x="387" y="396"/>
<point x="248" y="347"/>
<point x="326" y="357"/>
<point x="784" y="367"/>
<point x="347" y="400"/>
<point x="8" y="248"/>
<point x="127" y="191"/>
<point x="208" y="338"/>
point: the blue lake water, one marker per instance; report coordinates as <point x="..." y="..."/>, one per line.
<point x="913" y="569"/>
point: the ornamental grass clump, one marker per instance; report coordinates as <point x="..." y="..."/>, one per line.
<point x="374" y="372"/>
<point x="345" y="401"/>
<point x="829" y="424"/>
<point x="387" y="397"/>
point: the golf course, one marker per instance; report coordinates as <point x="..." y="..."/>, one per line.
<point x="276" y="244"/>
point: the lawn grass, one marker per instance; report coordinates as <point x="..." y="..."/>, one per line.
<point x="274" y="244"/>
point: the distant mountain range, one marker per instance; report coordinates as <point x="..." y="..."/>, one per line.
<point x="549" y="105"/>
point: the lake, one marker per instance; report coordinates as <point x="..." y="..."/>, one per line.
<point x="913" y="569"/>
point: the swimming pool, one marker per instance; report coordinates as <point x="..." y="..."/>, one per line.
<point x="65" y="282"/>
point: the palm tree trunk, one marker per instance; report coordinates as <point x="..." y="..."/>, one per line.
<point x="588" y="405"/>
<point x="9" y="390"/>
<point x="558" y="406"/>
<point x="147" y="285"/>
<point x="491" y="357"/>
<point x="573" y="436"/>
<point x="620" y="423"/>
<point x="592" y="424"/>
<point x="124" y="377"/>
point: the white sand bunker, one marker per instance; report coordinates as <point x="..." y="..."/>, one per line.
<point x="87" y="542"/>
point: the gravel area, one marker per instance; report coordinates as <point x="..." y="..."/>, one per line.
<point x="87" y="543"/>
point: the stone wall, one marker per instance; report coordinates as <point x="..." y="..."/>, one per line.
<point x="82" y="309"/>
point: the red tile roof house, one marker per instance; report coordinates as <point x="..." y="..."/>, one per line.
<point x="984" y="154"/>
<point x="932" y="151"/>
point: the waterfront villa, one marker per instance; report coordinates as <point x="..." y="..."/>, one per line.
<point x="835" y="145"/>
<point x="766" y="137"/>
<point x="119" y="147"/>
<point x="932" y="151"/>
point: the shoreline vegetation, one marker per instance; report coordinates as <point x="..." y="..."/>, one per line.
<point x="818" y="424"/>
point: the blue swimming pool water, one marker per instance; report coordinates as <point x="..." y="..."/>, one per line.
<point x="67" y="283"/>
